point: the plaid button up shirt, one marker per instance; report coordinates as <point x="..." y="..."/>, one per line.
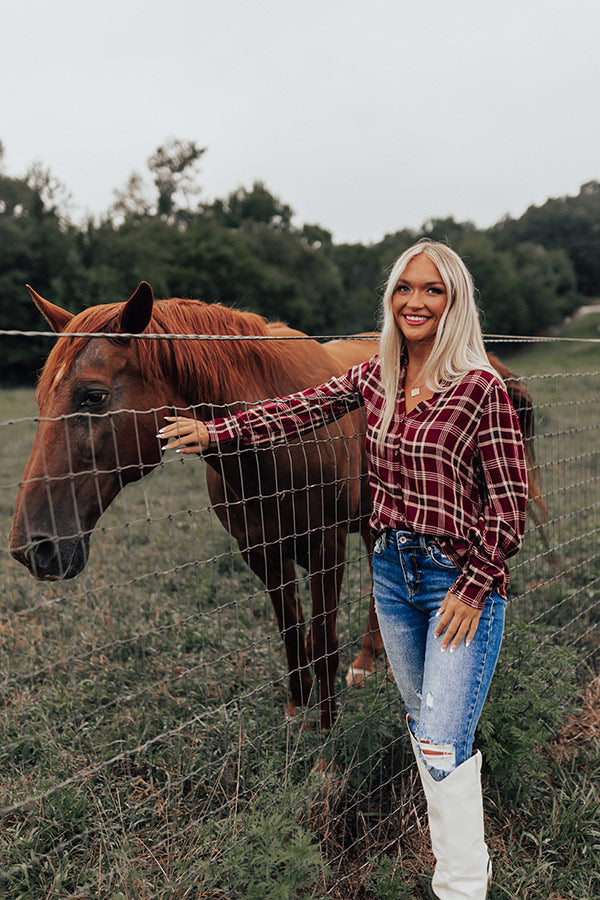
<point x="453" y="469"/>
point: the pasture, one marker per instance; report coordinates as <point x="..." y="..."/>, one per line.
<point x="144" y="752"/>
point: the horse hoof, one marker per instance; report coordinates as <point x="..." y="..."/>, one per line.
<point x="291" y="712"/>
<point x="356" y="677"/>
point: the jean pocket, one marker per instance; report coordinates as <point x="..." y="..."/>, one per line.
<point x="438" y="558"/>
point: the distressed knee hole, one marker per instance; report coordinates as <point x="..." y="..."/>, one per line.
<point x="438" y="756"/>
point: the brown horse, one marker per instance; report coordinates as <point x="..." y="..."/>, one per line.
<point x="101" y="403"/>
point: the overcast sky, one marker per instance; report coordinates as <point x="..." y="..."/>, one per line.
<point x="365" y="117"/>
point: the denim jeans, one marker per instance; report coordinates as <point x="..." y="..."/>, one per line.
<point x="443" y="692"/>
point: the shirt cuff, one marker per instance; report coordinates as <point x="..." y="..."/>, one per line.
<point x="221" y="430"/>
<point x="472" y="589"/>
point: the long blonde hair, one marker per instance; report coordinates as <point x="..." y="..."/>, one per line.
<point x="458" y="346"/>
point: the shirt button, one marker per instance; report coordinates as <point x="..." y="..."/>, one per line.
<point x="401" y="517"/>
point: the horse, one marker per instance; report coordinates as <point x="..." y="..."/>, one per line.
<point x="102" y="401"/>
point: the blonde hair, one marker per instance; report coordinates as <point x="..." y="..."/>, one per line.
<point x="458" y="345"/>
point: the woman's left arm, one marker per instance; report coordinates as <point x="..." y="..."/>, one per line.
<point x="501" y="526"/>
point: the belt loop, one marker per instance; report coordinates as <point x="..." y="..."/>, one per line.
<point x="423" y="543"/>
<point x="385" y="538"/>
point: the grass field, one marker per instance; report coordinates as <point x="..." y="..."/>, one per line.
<point x="143" y="748"/>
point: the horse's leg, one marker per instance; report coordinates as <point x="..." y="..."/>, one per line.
<point x="326" y="573"/>
<point x="280" y="580"/>
<point x="371" y="646"/>
<point x="276" y="573"/>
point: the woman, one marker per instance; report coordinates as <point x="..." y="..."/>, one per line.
<point x="448" y="480"/>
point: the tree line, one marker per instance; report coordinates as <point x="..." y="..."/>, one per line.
<point x="245" y="250"/>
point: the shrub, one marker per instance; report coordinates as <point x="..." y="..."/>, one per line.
<point x="532" y="690"/>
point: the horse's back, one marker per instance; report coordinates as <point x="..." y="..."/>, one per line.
<point x="348" y="352"/>
<point x="319" y="362"/>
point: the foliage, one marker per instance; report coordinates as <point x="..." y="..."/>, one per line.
<point x="532" y="690"/>
<point x="387" y="880"/>
<point x="254" y="205"/>
<point x="262" y="852"/>
<point x="570" y="224"/>
<point x="245" y="250"/>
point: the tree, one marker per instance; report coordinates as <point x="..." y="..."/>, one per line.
<point x="131" y="203"/>
<point x="570" y="224"/>
<point x="38" y="247"/>
<point x="257" y="205"/>
<point x="174" y="169"/>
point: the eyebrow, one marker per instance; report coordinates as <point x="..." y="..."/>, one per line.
<point x="427" y="283"/>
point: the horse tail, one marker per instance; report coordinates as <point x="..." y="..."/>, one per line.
<point x="536" y="504"/>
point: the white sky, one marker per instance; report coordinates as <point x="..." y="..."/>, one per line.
<point x="365" y="117"/>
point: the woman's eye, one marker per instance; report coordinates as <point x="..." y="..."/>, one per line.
<point x="94" y="398"/>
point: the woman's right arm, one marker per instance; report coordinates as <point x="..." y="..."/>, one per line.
<point x="271" y="421"/>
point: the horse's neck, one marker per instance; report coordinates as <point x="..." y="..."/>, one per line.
<point x="222" y="374"/>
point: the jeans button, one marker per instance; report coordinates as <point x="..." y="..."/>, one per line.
<point x="402" y="539"/>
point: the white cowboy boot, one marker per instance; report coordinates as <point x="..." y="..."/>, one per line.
<point x="455" y="809"/>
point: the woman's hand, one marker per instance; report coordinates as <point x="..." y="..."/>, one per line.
<point x="184" y="434"/>
<point x="458" y="620"/>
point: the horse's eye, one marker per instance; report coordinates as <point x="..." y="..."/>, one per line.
<point x="94" y="398"/>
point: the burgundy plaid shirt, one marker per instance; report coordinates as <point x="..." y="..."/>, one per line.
<point x="453" y="469"/>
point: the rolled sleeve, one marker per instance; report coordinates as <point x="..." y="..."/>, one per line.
<point x="501" y="527"/>
<point x="272" y="422"/>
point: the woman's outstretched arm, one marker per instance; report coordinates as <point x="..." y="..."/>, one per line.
<point x="270" y="421"/>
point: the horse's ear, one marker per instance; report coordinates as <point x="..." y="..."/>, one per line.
<point x="137" y="312"/>
<point x="56" y="317"/>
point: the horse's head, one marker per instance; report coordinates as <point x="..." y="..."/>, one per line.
<point x="93" y="436"/>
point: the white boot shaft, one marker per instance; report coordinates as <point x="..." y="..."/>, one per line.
<point x="455" y="811"/>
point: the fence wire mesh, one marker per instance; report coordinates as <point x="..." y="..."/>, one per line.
<point x="145" y="742"/>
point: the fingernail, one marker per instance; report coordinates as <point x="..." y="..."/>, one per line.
<point x="452" y="648"/>
<point x="179" y="450"/>
<point x="443" y="648"/>
<point x="467" y="643"/>
<point x="438" y="613"/>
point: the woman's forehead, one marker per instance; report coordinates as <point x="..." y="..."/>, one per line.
<point x="422" y="269"/>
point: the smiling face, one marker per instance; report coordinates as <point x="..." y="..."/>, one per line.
<point x="419" y="301"/>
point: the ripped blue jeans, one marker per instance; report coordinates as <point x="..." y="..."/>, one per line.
<point x="443" y="692"/>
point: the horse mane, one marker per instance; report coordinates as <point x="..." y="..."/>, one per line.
<point x="228" y="370"/>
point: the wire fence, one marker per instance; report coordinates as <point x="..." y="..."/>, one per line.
<point x="153" y="741"/>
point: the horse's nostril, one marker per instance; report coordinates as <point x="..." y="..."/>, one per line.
<point x="43" y="550"/>
<point x="54" y="558"/>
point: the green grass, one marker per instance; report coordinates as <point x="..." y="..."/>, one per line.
<point x="142" y="742"/>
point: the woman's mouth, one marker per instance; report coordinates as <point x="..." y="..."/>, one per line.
<point x="415" y="320"/>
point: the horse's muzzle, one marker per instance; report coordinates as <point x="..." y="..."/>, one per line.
<point x="53" y="559"/>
